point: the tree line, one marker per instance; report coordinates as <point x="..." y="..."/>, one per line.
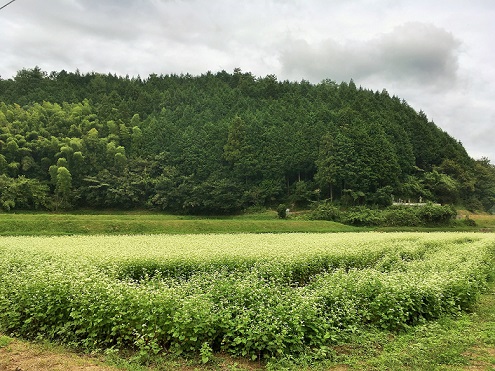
<point x="221" y="142"/>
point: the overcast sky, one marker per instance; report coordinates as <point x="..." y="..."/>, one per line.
<point x="438" y="55"/>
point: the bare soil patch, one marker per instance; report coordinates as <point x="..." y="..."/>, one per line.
<point x="21" y="356"/>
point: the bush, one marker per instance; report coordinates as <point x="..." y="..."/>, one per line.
<point x="474" y="205"/>
<point x="400" y="217"/>
<point x="427" y="215"/>
<point x="467" y="221"/>
<point x="393" y="216"/>
<point x="282" y="211"/>
<point x="382" y="197"/>
<point x="431" y="214"/>
<point x="362" y="216"/>
<point x="325" y="211"/>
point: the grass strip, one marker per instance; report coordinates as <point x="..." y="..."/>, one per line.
<point x="119" y="224"/>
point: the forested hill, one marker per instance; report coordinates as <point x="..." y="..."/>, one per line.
<point x="218" y="143"/>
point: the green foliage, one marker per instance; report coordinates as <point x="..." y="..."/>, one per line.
<point x="232" y="140"/>
<point x="432" y="214"/>
<point x="401" y="216"/>
<point x="382" y="197"/>
<point x="23" y="194"/>
<point x="63" y="187"/>
<point x="484" y="187"/>
<point x="302" y="194"/>
<point x="292" y="295"/>
<point x="361" y="216"/>
<point x="282" y="211"/>
<point x="468" y="221"/>
<point x="393" y="216"/>
<point x="4" y="341"/>
<point x="325" y="211"/>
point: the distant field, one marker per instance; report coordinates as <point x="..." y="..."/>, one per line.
<point x="484" y="221"/>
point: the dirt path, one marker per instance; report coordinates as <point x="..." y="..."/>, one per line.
<point x="19" y="356"/>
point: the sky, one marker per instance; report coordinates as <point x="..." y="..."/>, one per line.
<point x="437" y="55"/>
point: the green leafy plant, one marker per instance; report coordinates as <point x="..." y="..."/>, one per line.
<point x="264" y="297"/>
<point x="282" y="211"/>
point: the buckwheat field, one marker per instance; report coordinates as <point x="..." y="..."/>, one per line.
<point x="254" y="295"/>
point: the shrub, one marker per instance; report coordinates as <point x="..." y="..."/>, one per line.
<point x="467" y="221"/>
<point x="382" y="197"/>
<point x="325" y="211"/>
<point x="474" y="205"/>
<point x="393" y="216"/>
<point x="282" y="211"/>
<point x="431" y="214"/>
<point x="362" y="216"/>
<point x="401" y="216"/>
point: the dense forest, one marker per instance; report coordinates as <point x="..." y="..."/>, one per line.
<point x="220" y="143"/>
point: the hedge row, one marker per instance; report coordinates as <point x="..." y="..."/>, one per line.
<point x="393" y="216"/>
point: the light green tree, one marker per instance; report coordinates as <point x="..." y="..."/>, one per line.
<point x="63" y="189"/>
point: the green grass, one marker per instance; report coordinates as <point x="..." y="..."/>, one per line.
<point x="146" y="223"/>
<point x="88" y="222"/>
<point x="5" y="340"/>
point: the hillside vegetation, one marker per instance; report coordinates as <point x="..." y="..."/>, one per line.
<point x="219" y="143"/>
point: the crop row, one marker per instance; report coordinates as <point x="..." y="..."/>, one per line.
<point x="249" y="295"/>
<point x="301" y="255"/>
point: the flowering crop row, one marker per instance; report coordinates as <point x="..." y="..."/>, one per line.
<point x="250" y="295"/>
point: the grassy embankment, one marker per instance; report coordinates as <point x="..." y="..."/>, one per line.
<point x="148" y="223"/>
<point x="87" y="223"/>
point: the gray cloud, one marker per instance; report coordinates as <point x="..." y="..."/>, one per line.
<point x="420" y="52"/>
<point x="417" y="52"/>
